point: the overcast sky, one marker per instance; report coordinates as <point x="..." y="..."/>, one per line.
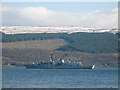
<point x="88" y="14"/>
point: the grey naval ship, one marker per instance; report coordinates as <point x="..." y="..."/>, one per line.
<point x="61" y="64"/>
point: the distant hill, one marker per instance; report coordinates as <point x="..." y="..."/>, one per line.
<point x="53" y="29"/>
<point x="83" y="42"/>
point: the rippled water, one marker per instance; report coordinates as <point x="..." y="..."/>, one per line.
<point x="19" y="77"/>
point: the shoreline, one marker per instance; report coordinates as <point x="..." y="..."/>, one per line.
<point x="60" y="88"/>
<point x="94" y="68"/>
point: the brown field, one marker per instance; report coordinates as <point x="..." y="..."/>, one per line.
<point x="37" y="44"/>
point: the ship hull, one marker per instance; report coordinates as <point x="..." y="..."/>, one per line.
<point x="57" y="67"/>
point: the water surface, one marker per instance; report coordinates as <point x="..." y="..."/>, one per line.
<point x="19" y="77"/>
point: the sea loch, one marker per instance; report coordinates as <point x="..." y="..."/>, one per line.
<point x="20" y="77"/>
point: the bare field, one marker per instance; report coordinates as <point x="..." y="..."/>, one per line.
<point x="36" y="44"/>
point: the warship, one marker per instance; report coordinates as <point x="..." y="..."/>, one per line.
<point x="61" y="64"/>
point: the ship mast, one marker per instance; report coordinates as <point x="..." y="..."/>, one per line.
<point x="51" y="57"/>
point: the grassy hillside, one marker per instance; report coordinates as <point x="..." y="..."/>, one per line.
<point x="35" y="44"/>
<point x="83" y="42"/>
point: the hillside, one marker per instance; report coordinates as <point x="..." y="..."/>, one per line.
<point x="35" y="44"/>
<point x="29" y="51"/>
<point x="98" y="48"/>
<point x="83" y="42"/>
<point x="21" y="56"/>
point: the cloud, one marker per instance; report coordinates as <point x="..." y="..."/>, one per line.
<point x="103" y="19"/>
<point x="40" y="16"/>
<point x="4" y="8"/>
